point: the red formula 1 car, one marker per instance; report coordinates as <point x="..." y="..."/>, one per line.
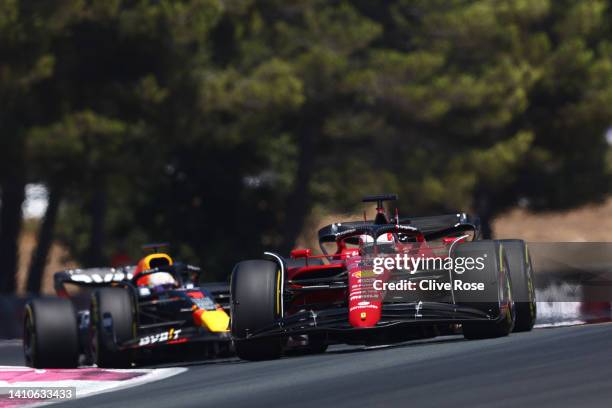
<point x="387" y="280"/>
<point x="114" y="317"/>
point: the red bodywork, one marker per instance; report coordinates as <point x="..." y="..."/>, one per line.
<point x="363" y="301"/>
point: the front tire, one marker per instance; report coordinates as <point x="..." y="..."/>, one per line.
<point x="50" y="338"/>
<point x="117" y="305"/>
<point x="256" y="304"/>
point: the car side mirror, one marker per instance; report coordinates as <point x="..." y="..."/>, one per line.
<point x="300" y="253"/>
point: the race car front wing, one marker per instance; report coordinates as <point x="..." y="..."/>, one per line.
<point x="167" y="337"/>
<point x="393" y="315"/>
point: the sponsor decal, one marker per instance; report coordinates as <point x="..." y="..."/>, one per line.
<point x="159" y="337"/>
<point x="204" y="303"/>
<point x="195" y="294"/>
<point x="369" y="306"/>
<point x="364" y="274"/>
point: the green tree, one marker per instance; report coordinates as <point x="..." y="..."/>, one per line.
<point x="466" y="104"/>
<point x="115" y="63"/>
<point x="26" y="29"/>
<point x="310" y="104"/>
<point x="141" y="73"/>
<point x="222" y="126"/>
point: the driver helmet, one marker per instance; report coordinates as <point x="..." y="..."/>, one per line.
<point x="387" y="238"/>
<point x="156" y="280"/>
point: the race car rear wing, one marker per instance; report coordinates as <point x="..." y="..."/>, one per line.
<point x="124" y="276"/>
<point x="91" y="277"/>
<point x="431" y="226"/>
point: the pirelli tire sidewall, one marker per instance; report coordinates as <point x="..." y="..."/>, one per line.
<point x="51" y="334"/>
<point x="118" y="305"/>
<point x="256" y="304"/>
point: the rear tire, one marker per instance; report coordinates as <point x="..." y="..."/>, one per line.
<point x="50" y="338"/>
<point x="256" y="304"/>
<point x="116" y="304"/>
<point x="496" y="299"/>
<point x="521" y="274"/>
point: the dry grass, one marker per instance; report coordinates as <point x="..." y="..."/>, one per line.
<point x="59" y="259"/>
<point x="591" y="223"/>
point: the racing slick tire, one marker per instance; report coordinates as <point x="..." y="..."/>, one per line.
<point x="50" y="335"/>
<point x="255" y="304"/>
<point x="496" y="298"/>
<point x="116" y="304"/>
<point x="523" y="289"/>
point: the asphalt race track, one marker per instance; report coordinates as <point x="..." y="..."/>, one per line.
<point x="558" y="367"/>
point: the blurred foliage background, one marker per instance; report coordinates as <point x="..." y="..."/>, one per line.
<point x="221" y="126"/>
